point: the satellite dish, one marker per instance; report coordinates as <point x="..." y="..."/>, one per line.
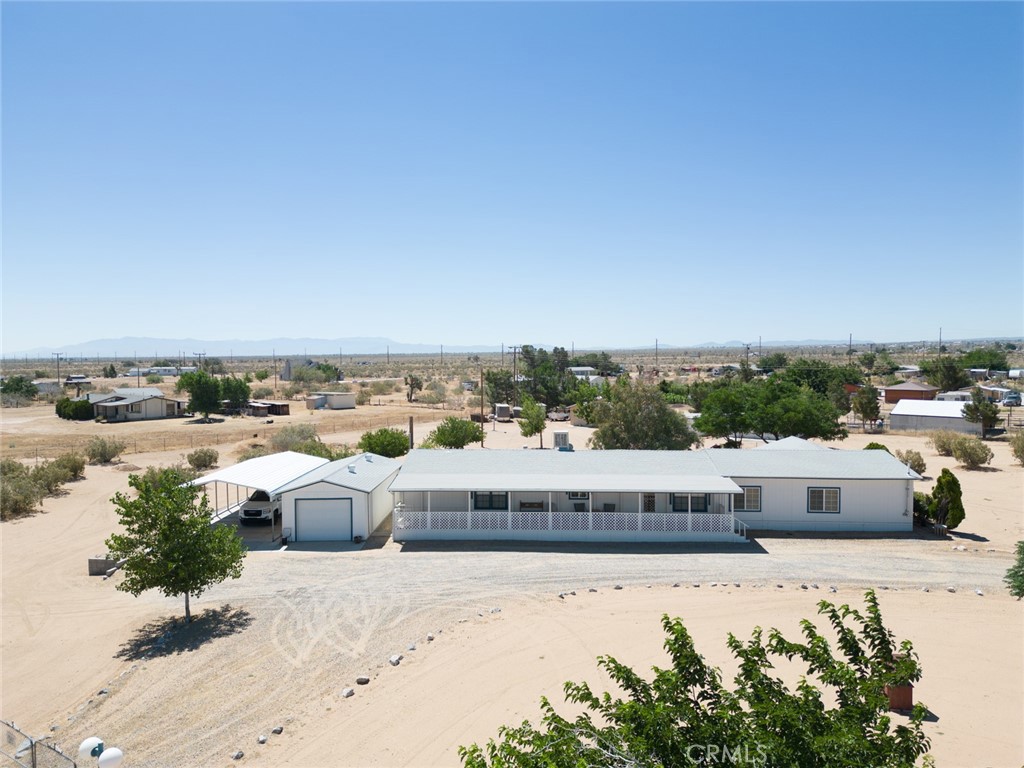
<point x="111" y="758"/>
<point x="88" y="748"/>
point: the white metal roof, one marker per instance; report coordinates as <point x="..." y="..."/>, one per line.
<point x="530" y="470"/>
<point x="949" y="409"/>
<point x="827" y="464"/>
<point x="791" y="444"/>
<point x="368" y="471"/>
<point x="266" y="473"/>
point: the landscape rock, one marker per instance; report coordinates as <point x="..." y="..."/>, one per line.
<point x="814" y="586"/>
<point x="103" y="692"/>
<point x="395" y="660"/>
<point x="979" y="593"/>
<point x="925" y="589"/>
<point x="618" y="586"/>
<point x="412" y="647"/>
<point x="675" y="585"/>
<point x="498" y="610"/>
<point x="735" y="583"/>
<point x="951" y="589"/>
<point x="779" y="586"/>
<point x="714" y="583"/>
<point x="430" y="638"/>
<point x="347" y="693"/>
<point x="278" y="730"/>
<point x="696" y="585"/>
<point x="261" y="739"/>
<point x="238" y="755"/>
<point x="803" y="586"/>
<point x="362" y="680"/>
<point x="591" y="590"/>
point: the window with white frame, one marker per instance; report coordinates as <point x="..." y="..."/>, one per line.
<point x="579" y="495"/>
<point x="749" y="500"/>
<point x="490" y="500"/>
<point x="823" y="500"/>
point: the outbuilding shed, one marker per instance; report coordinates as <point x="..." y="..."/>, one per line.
<point x="917" y="416"/>
<point x="910" y="390"/>
<point x="339" y="501"/>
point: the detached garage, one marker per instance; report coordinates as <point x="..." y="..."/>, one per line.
<point x="914" y="416"/>
<point x="340" y="500"/>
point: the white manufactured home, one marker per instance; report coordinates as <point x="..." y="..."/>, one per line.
<point x="135" y="404"/>
<point x="339" y="501"/>
<point x="649" y="496"/>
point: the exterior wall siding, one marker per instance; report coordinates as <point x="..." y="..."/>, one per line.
<point x="864" y="505"/>
<point x="900" y="422"/>
<point x="381" y="503"/>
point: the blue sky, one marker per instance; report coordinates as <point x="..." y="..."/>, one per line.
<point x="476" y="173"/>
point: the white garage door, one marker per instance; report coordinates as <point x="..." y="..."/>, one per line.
<point x="323" y="520"/>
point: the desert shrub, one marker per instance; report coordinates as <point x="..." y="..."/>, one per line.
<point x="363" y="396"/>
<point x="385" y="441"/>
<point x="103" y="451"/>
<point x="947" y="505"/>
<point x="323" y="450"/>
<point x="1014" y="577"/>
<point x="74" y="410"/>
<point x="14" y="401"/>
<point x="294" y="434"/>
<point x="380" y="388"/>
<point x="970" y="452"/>
<point x="876" y="447"/>
<point x="292" y="390"/>
<point x="922" y="504"/>
<point x="912" y="459"/>
<point x="253" y="452"/>
<point x="49" y="477"/>
<point x="157" y="476"/>
<point x="154" y="378"/>
<point x="73" y="463"/>
<point x="261" y="393"/>
<point x="202" y="458"/>
<point x="18" y="494"/>
<point x="942" y="441"/>
<point x="1017" y="446"/>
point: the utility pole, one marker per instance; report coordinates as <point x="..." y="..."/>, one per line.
<point x="57" y="355"/>
<point x="273" y="356"/>
<point x="655" y="354"/>
<point x="138" y="373"/>
<point x="482" y="404"/>
<point x="515" y="375"/>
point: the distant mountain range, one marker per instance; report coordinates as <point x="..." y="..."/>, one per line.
<point x="147" y="348"/>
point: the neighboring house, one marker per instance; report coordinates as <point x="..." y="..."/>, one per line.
<point x="915" y="416"/>
<point x="910" y="390"/>
<point x="955" y="396"/>
<point x="649" y="496"/>
<point x="135" y="404"/>
<point x="339" y="501"/>
<point x="48" y="386"/>
<point x="268" y="408"/>
<point x="582" y="371"/>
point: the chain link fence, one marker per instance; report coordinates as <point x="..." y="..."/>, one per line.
<point x="19" y="750"/>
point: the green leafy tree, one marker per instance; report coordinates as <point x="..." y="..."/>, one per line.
<point x="945" y="372"/>
<point x="867" y="360"/>
<point x="203" y="392"/>
<point x="685" y="711"/>
<point x="990" y="358"/>
<point x="873" y="446"/>
<point x="1014" y="577"/>
<point x="235" y="391"/>
<point x="947" y="505"/>
<point x="415" y="384"/>
<point x="19" y="386"/>
<point x="456" y="433"/>
<point x="820" y="376"/>
<point x="865" y="404"/>
<point x="725" y="413"/>
<point x="773" y="362"/>
<point x="779" y="408"/>
<point x="168" y="543"/>
<point x="110" y="372"/>
<point x="262" y="374"/>
<point x="980" y="411"/>
<point x="499" y="384"/>
<point x="635" y="416"/>
<point x="532" y="419"/>
<point x="386" y="441"/>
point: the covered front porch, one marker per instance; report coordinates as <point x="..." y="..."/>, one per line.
<point x="694" y="514"/>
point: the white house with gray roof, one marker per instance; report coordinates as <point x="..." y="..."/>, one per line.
<point x="135" y="404"/>
<point x="340" y="500"/>
<point x="649" y="496"/>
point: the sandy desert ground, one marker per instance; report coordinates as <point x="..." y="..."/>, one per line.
<point x="277" y="646"/>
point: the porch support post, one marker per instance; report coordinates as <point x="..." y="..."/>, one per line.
<point x="429" y="525"/>
<point x="508" y="511"/>
<point x="689" y="513"/>
<point x="469" y="510"/>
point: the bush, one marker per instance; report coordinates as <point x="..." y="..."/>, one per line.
<point x="876" y="447"/>
<point x="73" y="464"/>
<point x="1014" y="577"/>
<point x="971" y="452"/>
<point x="385" y="441"/>
<point x="202" y="458"/>
<point x="74" y="410"/>
<point x="363" y="396"/>
<point x="912" y="459"/>
<point x="261" y="393"/>
<point x="103" y="451"/>
<point x="1017" y="446"/>
<point x="947" y="505"/>
<point x="942" y="441"/>
<point x="154" y="378"/>
<point x="49" y="477"/>
<point x="18" y="494"/>
<point x="294" y="434"/>
<point x="253" y="452"/>
<point x="156" y="476"/>
<point x="922" y="504"/>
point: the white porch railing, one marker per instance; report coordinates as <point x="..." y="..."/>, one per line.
<point x="528" y="523"/>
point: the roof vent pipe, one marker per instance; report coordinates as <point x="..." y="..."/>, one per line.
<point x="352" y="468"/>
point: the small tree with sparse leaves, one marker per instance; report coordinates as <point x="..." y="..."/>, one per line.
<point x="1014" y="577"/>
<point x="532" y="419"/>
